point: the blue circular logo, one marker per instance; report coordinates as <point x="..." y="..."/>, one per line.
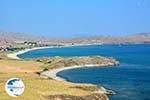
<point x="14" y="87"/>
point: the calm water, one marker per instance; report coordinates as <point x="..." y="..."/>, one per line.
<point x="130" y="80"/>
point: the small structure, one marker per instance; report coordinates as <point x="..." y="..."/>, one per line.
<point x="30" y="43"/>
<point x="2" y="48"/>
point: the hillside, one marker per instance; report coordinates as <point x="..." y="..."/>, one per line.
<point x="134" y="38"/>
<point x="37" y="88"/>
<point x="8" y="38"/>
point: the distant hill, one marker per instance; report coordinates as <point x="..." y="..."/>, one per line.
<point x="7" y="38"/>
<point x="139" y="38"/>
<point x="134" y="38"/>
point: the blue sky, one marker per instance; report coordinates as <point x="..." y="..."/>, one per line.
<point x="72" y="18"/>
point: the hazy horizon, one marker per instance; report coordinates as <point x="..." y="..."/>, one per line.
<point x="75" y="18"/>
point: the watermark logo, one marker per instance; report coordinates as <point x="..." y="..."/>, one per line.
<point x="14" y="87"/>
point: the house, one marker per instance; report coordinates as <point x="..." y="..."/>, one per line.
<point x="3" y="48"/>
<point x="30" y="43"/>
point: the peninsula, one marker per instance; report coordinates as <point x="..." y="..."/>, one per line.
<point x="41" y="73"/>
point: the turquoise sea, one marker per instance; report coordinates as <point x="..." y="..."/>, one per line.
<point x="130" y="80"/>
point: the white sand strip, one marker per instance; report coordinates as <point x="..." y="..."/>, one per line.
<point x="15" y="55"/>
<point x="53" y="73"/>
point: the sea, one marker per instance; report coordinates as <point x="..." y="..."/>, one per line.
<point x="130" y="79"/>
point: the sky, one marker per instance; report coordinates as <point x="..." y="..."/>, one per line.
<point x="74" y="18"/>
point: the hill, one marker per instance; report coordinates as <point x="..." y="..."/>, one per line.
<point x="8" y="38"/>
<point x="134" y="38"/>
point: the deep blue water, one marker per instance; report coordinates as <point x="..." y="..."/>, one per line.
<point x="130" y="80"/>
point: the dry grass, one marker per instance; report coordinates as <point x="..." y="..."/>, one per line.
<point x="35" y="87"/>
<point x="19" y="66"/>
<point x="38" y="89"/>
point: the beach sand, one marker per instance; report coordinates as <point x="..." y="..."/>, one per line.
<point x="53" y="73"/>
<point x="15" y="55"/>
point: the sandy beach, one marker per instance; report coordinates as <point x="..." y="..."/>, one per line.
<point x="53" y="73"/>
<point x="15" y="55"/>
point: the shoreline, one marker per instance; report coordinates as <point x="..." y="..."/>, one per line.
<point x="53" y="72"/>
<point x="15" y="54"/>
